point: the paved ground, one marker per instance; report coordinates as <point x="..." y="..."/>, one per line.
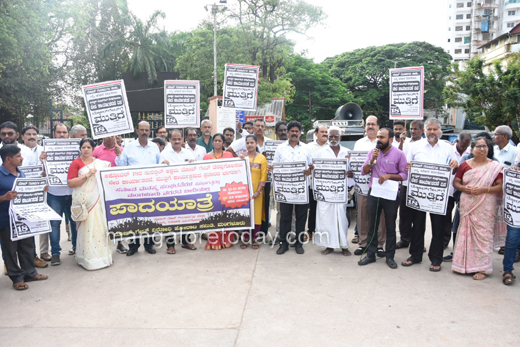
<point x="246" y="297"/>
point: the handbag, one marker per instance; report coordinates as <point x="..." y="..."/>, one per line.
<point x="78" y="212"/>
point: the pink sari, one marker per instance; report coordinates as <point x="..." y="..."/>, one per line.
<point x="478" y="220"/>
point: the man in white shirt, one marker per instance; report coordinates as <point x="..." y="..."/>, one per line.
<point x="400" y="139"/>
<point x="367" y="143"/>
<point x="504" y="151"/>
<point x="437" y="151"/>
<point x="9" y="135"/>
<point x="191" y="138"/>
<point x="30" y="140"/>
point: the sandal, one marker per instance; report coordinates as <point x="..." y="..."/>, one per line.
<point x="171" y="250"/>
<point x="190" y="247"/>
<point x="38" y="277"/>
<point x="479" y="276"/>
<point x="20" y="286"/>
<point x="355" y="239"/>
<point x="508" y="278"/>
<point x="244" y="245"/>
<point x="72" y="252"/>
<point x="327" y="251"/>
<point x="409" y="262"/>
<point x="346" y="252"/>
<point x="435" y="268"/>
<point x="255" y="245"/>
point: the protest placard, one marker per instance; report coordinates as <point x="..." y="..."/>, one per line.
<point x="32" y="171"/>
<point x="512" y="197"/>
<point x="184" y="198"/>
<point x="181" y="104"/>
<point x="107" y="109"/>
<point x="270" y="148"/>
<point x="329" y="180"/>
<point x="290" y="184"/>
<point x="60" y="154"/>
<point x="226" y="118"/>
<point x="406" y="93"/>
<point x="357" y="158"/>
<point x="428" y="187"/>
<point x="241" y="87"/>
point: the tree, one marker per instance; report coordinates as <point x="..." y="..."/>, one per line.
<point x="491" y="99"/>
<point x="365" y="73"/>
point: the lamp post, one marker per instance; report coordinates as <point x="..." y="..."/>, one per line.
<point x="395" y="61"/>
<point x="214" y="11"/>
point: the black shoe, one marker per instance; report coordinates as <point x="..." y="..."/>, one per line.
<point x="131" y="252"/>
<point x="282" y="250"/>
<point x="150" y="250"/>
<point x="381" y="253"/>
<point x="55" y="260"/>
<point x="121" y="249"/>
<point x="366" y="260"/>
<point x="299" y="249"/>
<point x="391" y="263"/>
<point x="359" y="251"/>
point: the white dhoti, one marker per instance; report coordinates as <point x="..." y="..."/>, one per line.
<point x="331" y="225"/>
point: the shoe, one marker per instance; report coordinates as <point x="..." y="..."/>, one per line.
<point x="131" y="252"/>
<point x="448" y="258"/>
<point x="40" y="263"/>
<point x="366" y="260"/>
<point x="381" y="253"/>
<point x="391" y="263"/>
<point x="55" y="260"/>
<point x="150" y="250"/>
<point x="359" y="251"/>
<point x="401" y="244"/>
<point x="282" y="250"/>
<point x="204" y="236"/>
<point x="274" y="242"/>
<point x="292" y="242"/>
<point x="299" y="249"/>
<point x="502" y="250"/>
<point x="355" y="239"/>
<point x="121" y="249"/>
<point x="45" y="256"/>
<point x="72" y="252"/>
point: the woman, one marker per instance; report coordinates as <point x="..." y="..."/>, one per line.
<point x="92" y="247"/>
<point x="219" y="239"/>
<point x="480" y="182"/>
<point x="258" y="165"/>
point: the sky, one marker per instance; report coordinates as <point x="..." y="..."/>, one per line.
<point x="351" y="24"/>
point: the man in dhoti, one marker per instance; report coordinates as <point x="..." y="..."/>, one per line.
<point x="331" y="218"/>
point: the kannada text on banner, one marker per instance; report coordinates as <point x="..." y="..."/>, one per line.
<point x="406" y="93"/>
<point x="241" y="87"/>
<point x="357" y="159"/>
<point x="428" y="187"/>
<point x="200" y="196"/>
<point x="290" y="184"/>
<point x="270" y="149"/>
<point x="60" y="154"/>
<point x="32" y="171"/>
<point x="329" y="180"/>
<point x="181" y="104"/>
<point x="512" y="197"/>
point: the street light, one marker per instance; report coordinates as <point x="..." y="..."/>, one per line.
<point x="214" y="11"/>
<point x="395" y="61"/>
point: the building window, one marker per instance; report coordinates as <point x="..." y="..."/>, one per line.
<point x="468" y="16"/>
<point x="468" y="4"/>
<point x="468" y="27"/>
<point x="458" y="28"/>
<point x="467" y="39"/>
<point x="511" y="13"/>
<point x="458" y="39"/>
<point x="466" y="50"/>
<point x="510" y="25"/>
<point x="460" y="4"/>
<point x="458" y="51"/>
<point x="459" y="16"/>
<point x="449" y="40"/>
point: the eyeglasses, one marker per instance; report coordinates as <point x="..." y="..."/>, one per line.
<point x="497" y="134"/>
<point x="481" y="147"/>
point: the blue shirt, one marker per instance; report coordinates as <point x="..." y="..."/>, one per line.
<point x="137" y="155"/>
<point x="6" y="185"/>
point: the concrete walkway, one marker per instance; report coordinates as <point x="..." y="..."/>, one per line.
<point x="249" y="297"/>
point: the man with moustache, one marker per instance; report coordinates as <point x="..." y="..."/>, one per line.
<point x="9" y="135"/>
<point x="206" y="140"/>
<point x="141" y="152"/>
<point x="191" y="138"/>
<point x="163" y="134"/>
<point x="30" y="141"/>
<point x="385" y="162"/>
<point x="229" y="135"/>
<point x="368" y="143"/>
<point x="321" y="133"/>
<point x="400" y="138"/>
<point x="437" y="151"/>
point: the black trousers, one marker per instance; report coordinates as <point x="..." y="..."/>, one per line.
<point x="405" y="217"/>
<point x="311" y="224"/>
<point x="170" y="240"/>
<point x="135" y="244"/>
<point x="267" y="198"/>
<point x="286" y="211"/>
<point x="449" y="222"/>
<point x="437" y="244"/>
<point x="389" y="208"/>
<point x="21" y="251"/>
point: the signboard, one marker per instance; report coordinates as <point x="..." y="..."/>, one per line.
<point x="290" y="184"/>
<point x="60" y="154"/>
<point x="407" y="93"/>
<point x="329" y="180"/>
<point x="357" y="159"/>
<point x="429" y="187"/>
<point x="32" y="171"/>
<point x="270" y="148"/>
<point x="226" y="118"/>
<point x="181" y="104"/>
<point x="512" y="197"/>
<point x="241" y="87"/>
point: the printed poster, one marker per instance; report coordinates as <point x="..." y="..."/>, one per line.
<point x="329" y="180"/>
<point x="60" y="154"/>
<point x="290" y="184"/>
<point x="32" y="171"/>
<point x="357" y="159"/>
<point x="428" y="187"/>
<point x="181" y="104"/>
<point x="406" y="93"/>
<point x="241" y="87"/>
<point x="512" y="197"/>
<point x="270" y="148"/>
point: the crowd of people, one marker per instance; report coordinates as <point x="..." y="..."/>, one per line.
<point x="473" y="220"/>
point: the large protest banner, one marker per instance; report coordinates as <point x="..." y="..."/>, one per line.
<point x="357" y="158"/>
<point x="329" y="180"/>
<point x="270" y="148"/>
<point x="428" y="187"/>
<point x="290" y="184"/>
<point x="407" y="93"/>
<point x="241" y="87"/>
<point x="107" y="109"/>
<point x="187" y="197"/>
<point x="512" y="197"/>
<point x="181" y="104"/>
<point x="60" y="154"/>
<point x="32" y="171"/>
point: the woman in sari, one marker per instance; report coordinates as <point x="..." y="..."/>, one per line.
<point x="219" y="239"/>
<point x="480" y="182"/>
<point x="258" y="164"/>
<point x="92" y="247"/>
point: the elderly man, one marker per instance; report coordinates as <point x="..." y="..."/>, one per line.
<point x="321" y="134"/>
<point x="368" y="143"/>
<point x="331" y="219"/>
<point x="141" y="152"/>
<point x="191" y="138"/>
<point x="14" y="252"/>
<point x="206" y="140"/>
<point x="78" y="131"/>
<point x="391" y="166"/>
<point x="505" y="153"/>
<point x="437" y="151"/>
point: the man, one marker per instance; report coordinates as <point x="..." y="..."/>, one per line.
<point x="243" y="131"/>
<point x="368" y="143"/>
<point x="437" y="151"/>
<point x="9" y="135"/>
<point x="106" y="151"/>
<point x="119" y="140"/>
<point x="291" y="151"/>
<point x="159" y="141"/>
<point x="400" y="138"/>
<point x="78" y="131"/>
<point x="176" y="154"/>
<point x="229" y="135"/>
<point x="321" y="134"/>
<point x="206" y="140"/>
<point x="162" y="133"/>
<point x="30" y="141"/>
<point x="21" y="251"/>
<point x="280" y="128"/>
<point x="385" y="162"/>
<point x="140" y="152"/>
<point x="191" y="138"/>
<point x="405" y="212"/>
<point x="504" y="151"/>
<point x="331" y="219"/>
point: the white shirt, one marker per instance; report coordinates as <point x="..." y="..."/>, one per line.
<point x="508" y="153"/>
<point x="26" y="155"/>
<point x="287" y="153"/>
<point x="328" y="153"/>
<point x="315" y="147"/>
<point x="34" y="158"/>
<point x="407" y="148"/>
<point x="198" y="153"/>
<point x="365" y="144"/>
<point x="239" y="146"/>
<point x="173" y="157"/>
<point x="396" y="144"/>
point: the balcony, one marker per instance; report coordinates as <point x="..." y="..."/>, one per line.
<point x="515" y="3"/>
<point x="479" y="6"/>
